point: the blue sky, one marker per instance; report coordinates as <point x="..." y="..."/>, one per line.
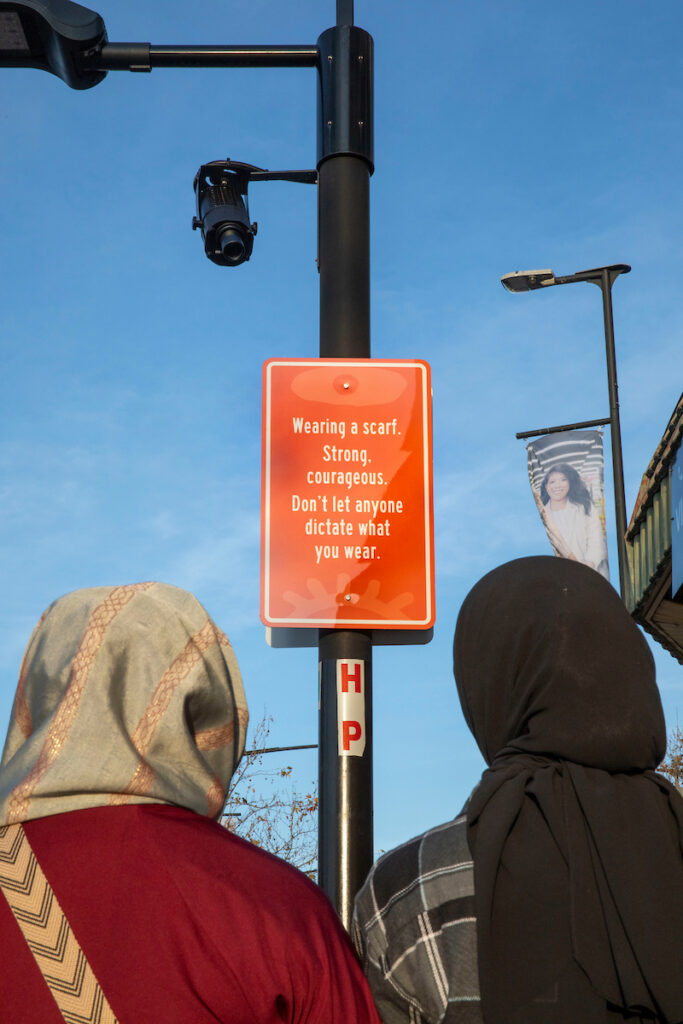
<point x="131" y="365"/>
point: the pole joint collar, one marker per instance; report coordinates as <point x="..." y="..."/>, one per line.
<point x="345" y="94"/>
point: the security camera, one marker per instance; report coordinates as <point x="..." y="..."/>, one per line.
<point x="223" y="211"/>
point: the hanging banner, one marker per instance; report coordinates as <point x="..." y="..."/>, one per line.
<point x="346" y="511"/>
<point x="567" y="476"/>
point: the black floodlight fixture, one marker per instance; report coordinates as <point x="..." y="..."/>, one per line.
<point x="51" y="35"/>
<point x="527" y="280"/>
<point x="223" y="211"/>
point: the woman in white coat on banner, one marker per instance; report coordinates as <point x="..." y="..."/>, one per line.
<point x="570" y="518"/>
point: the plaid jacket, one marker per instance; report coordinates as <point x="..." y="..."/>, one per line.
<point x="415" y="930"/>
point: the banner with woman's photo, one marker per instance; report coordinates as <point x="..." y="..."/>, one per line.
<point x="567" y="476"/>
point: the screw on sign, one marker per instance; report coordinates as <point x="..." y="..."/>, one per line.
<point x="347" y="494"/>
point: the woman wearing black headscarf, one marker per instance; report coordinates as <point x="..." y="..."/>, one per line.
<point x="576" y="841"/>
<point x="557" y="896"/>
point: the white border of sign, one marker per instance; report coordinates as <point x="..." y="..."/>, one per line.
<point x="265" y="483"/>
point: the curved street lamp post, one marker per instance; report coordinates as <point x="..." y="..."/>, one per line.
<point x="604" y="278"/>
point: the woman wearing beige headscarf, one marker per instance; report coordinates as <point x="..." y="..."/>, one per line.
<point x="121" y="899"/>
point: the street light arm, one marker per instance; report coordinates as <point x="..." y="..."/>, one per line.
<point x="145" y="56"/>
<point x="595" y="276"/>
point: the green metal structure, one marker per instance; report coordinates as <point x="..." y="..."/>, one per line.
<point x="648" y="546"/>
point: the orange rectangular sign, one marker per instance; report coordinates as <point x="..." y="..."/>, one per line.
<point x="346" y="504"/>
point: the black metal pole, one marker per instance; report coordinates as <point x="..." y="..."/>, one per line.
<point x="345" y="656"/>
<point x="344" y="257"/>
<point x="345" y="782"/>
<point x="615" y="428"/>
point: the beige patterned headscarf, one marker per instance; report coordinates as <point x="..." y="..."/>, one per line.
<point x="126" y="694"/>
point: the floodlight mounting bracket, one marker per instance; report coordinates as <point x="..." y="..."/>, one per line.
<point x="253" y="173"/>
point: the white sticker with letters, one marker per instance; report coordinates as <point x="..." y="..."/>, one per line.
<point x="351" y="708"/>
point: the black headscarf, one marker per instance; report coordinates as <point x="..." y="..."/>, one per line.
<point x="577" y="842"/>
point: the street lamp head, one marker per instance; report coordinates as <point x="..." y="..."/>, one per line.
<point x="223" y="212"/>
<point x="51" y="35"/>
<point x="527" y="280"/>
<point x="530" y="280"/>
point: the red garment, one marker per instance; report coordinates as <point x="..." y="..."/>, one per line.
<point x="184" y="923"/>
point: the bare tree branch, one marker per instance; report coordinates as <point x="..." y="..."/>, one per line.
<point x="267" y="810"/>
<point x="672" y="765"/>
